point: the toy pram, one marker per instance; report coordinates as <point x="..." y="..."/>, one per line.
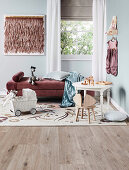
<point x="24" y="103"/>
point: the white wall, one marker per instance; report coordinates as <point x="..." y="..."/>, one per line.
<point x="120" y="89"/>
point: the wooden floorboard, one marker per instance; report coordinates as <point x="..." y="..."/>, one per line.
<point x="64" y="148"/>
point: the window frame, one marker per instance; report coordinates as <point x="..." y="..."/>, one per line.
<point x="76" y="57"/>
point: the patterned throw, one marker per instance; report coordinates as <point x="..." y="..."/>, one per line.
<point x="69" y="90"/>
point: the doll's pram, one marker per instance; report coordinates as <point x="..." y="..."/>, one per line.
<point x="26" y="102"/>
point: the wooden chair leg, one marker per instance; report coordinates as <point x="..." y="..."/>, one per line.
<point x="77" y="113"/>
<point x="93" y="113"/>
<point x="88" y="115"/>
<point x="82" y="113"/>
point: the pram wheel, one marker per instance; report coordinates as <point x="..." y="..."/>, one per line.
<point x="17" y="113"/>
<point x="33" y="111"/>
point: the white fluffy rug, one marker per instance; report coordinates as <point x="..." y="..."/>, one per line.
<point x="51" y="115"/>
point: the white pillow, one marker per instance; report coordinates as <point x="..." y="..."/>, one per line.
<point x="57" y="75"/>
<point x="115" y="116"/>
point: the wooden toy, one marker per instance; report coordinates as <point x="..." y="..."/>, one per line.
<point x="88" y="81"/>
<point x="104" y="82"/>
<point x="92" y="83"/>
<point x="85" y="83"/>
<point x="89" y="103"/>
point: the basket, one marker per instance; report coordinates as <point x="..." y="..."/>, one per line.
<point x="24" y="103"/>
<point x="23" y="106"/>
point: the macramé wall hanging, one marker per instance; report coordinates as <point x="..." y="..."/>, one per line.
<point x="24" y="35"/>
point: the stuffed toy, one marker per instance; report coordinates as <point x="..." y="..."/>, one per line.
<point x="33" y="78"/>
<point x="10" y="96"/>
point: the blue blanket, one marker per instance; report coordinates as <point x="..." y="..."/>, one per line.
<point x="69" y="90"/>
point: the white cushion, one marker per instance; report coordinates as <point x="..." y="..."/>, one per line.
<point x="115" y="116"/>
<point x="57" y="75"/>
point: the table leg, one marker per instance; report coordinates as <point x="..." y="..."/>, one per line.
<point x="84" y="98"/>
<point x="101" y="102"/>
<point x="84" y="94"/>
<point x="77" y="114"/>
<point x="108" y="98"/>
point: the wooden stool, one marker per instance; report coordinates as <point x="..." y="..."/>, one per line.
<point x="89" y="103"/>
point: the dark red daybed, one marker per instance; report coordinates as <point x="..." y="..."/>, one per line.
<point x="43" y="88"/>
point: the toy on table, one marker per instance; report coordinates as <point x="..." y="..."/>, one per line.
<point x="104" y="82"/>
<point x="33" y="78"/>
<point x="88" y="81"/>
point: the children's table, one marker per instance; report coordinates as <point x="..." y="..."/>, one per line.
<point x="96" y="87"/>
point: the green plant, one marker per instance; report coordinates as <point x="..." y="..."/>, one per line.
<point x="76" y="37"/>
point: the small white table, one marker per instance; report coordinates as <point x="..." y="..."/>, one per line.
<point x="96" y="87"/>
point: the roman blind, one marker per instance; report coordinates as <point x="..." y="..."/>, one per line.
<point x="76" y="9"/>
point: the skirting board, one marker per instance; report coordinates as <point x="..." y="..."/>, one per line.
<point x="118" y="107"/>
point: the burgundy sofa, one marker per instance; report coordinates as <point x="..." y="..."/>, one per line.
<point x="43" y="88"/>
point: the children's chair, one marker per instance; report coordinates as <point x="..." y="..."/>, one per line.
<point x="89" y="103"/>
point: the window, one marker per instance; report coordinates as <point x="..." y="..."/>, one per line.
<point x="76" y="37"/>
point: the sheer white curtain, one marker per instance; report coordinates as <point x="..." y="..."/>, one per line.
<point x="99" y="40"/>
<point x="53" y="35"/>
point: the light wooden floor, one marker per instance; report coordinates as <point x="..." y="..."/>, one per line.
<point x="64" y="148"/>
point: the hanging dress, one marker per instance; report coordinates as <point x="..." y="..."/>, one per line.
<point x="112" y="58"/>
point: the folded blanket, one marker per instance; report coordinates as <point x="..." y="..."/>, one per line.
<point x="69" y="90"/>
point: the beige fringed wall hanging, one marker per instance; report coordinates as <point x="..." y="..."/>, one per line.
<point x="24" y="35"/>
